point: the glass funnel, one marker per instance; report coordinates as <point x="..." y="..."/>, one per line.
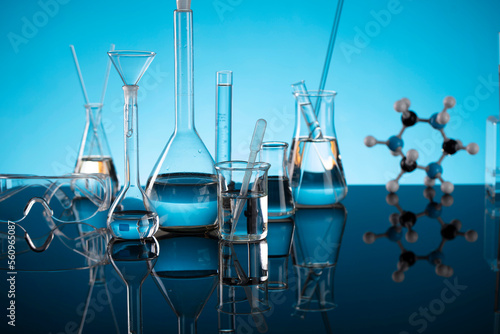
<point x="131" y="215"/>
<point x="183" y="184"/>
<point x="315" y="166"/>
<point x="186" y="275"/>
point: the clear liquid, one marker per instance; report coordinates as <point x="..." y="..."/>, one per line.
<point x="133" y="224"/>
<point x="185" y="201"/>
<point x="280" y="199"/>
<point x="101" y="165"/>
<point x="318" y="176"/>
<point x="252" y="222"/>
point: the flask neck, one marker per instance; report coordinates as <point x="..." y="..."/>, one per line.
<point x="131" y="136"/>
<point x="184" y="101"/>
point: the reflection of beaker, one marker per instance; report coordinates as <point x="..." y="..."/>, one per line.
<point x="492" y="234"/>
<point x="186" y="274"/>
<point x="243" y="277"/>
<point x="279" y="237"/>
<point x="280" y="200"/>
<point x="182" y="185"/>
<point x="314" y="164"/>
<point x="94" y="155"/>
<point x="316" y="244"/>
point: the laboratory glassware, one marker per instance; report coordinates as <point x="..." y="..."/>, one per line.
<point x="186" y="275"/>
<point x="251" y="223"/>
<point x="134" y="260"/>
<point x="492" y="234"/>
<point x="492" y="177"/>
<point x="224" y="116"/>
<point x="94" y="155"/>
<point x="315" y="250"/>
<point x="279" y="238"/>
<point x="183" y="185"/>
<point x="314" y="164"/>
<point x="131" y="215"/>
<point x="280" y="200"/>
<point x="243" y="277"/>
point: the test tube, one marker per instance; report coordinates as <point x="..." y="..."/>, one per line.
<point x="223" y="117"/>
<point x="300" y="91"/>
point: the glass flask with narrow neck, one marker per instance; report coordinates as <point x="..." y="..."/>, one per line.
<point x="94" y="155"/>
<point x="131" y="215"/>
<point x="314" y="164"/>
<point x="183" y="184"/>
<point x="280" y="200"/>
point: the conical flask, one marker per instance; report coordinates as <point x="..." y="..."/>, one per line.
<point x="315" y="166"/>
<point x="186" y="275"/>
<point x="131" y="215"/>
<point x="183" y="183"/>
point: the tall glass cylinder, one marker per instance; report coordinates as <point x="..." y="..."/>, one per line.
<point x="224" y="116"/>
<point x="183" y="185"/>
<point x="315" y="166"/>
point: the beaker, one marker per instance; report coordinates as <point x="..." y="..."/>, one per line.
<point x="314" y="164"/>
<point x="182" y="185"/>
<point x="243" y="277"/>
<point x="131" y="215"/>
<point x="280" y="200"/>
<point x="252" y="222"/>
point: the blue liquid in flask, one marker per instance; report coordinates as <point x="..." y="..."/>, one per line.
<point x="133" y="224"/>
<point x="185" y="200"/>
<point x="318" y="176"/>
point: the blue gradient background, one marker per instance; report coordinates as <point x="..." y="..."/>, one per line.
<point x="426" y="51"/>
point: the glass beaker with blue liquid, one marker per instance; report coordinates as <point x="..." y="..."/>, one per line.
<point x="315" y="166"/>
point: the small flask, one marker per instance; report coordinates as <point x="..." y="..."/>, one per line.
<point x="280" y="200"/>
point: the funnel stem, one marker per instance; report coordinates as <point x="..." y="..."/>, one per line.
<point x="184" y="107"/>
<point x="187" y="325"/>
<point x="131" y="136"/>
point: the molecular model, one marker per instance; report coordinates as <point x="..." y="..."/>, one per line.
<point x="408" y="162"/>
<point x="408" y="219"/>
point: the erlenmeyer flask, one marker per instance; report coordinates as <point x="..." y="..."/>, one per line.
<point x="186" y="274"/>
<point x="94" y="155"/>
<point x="131" y="215"/>
<point x="314" y="163"/>
<point x="183" y="184"/>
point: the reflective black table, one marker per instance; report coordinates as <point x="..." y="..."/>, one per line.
<point x="372" y="293"/>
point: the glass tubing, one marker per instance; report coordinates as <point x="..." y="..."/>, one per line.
<point x="224" y="115"/>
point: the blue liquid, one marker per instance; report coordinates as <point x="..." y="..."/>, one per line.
<point x="185" y="201"/>
<point x="133" y="224"/>
<point x="318" y="177"/>
<point x="280" y="201"/>
<point x="252" y="222"/>
<point x="84" y="208"/>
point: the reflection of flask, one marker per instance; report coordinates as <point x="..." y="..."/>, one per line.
<point x="314" y="164"/>
<point x="94" y="155"/>
<point x="316" y="245"/>
<point x="186" y="274"/>
<point x="183" y="185"/>
<point x="279" y="237"/>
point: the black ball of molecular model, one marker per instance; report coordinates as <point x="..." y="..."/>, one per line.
<point x="407" y="220"/>
<point x="408" y="163"/>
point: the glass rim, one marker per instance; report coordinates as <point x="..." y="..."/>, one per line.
<point x="241" y="165"/>
<point x="131" y="53"/>
<point x="275" y="144"/>
<point x="317" y="93"/>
